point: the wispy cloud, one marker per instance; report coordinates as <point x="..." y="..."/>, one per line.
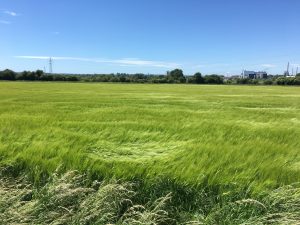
<point x="122" y="62"/>
<point x="11" y="13"/>
<point x="5" y="22"/>
<point x="55" y="32"/>
<point x="199" y="66"/>
<point x="211" y="65"/>
<point x="32" y="57"/>
<point x="138" y="62"/>
<point x="268" y="65"/>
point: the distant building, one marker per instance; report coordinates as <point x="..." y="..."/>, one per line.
<point x="254" y="75"/>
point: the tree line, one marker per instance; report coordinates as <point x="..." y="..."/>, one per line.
<point x="38" y="75"/>
<point x="174" y="76"/>
<point x="272" y="80"/>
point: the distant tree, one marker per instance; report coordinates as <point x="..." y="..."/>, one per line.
<point x="122" y="78"/>
<point x="71" y="78"/>
<point x="176" y="76"/>
<point x="39" y="74"/>
<point x="297" y="80"/>
<point x="288" y="80"/>
<point x="59" y="78"/>
<point x="23" y="75"/>
<point x="198" y="79"/>
<point x="7" y="75"/>
<point x="298" y="75"/>
<point x="254" y="81"/>
<point x="213" y="79"/>
<point x="242" y="80"/>
<point x="28" y="75"/>
<point x="280" y="81"/>
<point x="47" y="77"/>
<point x="268" y="82"/>
<point x="229" y="81"/>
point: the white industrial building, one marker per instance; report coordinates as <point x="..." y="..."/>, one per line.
<point x="254" y="75"/>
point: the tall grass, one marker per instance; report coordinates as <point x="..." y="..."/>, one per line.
<point x="69" y="199"/>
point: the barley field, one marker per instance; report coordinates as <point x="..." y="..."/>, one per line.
<point x="203" y="144"/>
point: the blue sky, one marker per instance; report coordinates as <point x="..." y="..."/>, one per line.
<point x="150" y="36"/>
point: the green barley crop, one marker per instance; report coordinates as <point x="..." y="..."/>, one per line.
<point x="207" y="145"/>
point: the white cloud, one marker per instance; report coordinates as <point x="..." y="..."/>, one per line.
<point x="32" y="57"/>
<point x="220" y="64"/>
<point x="138" y="62"/>
<point x="123" y="62"/>
<point x="211" y="65"/>
<point x="10" y="13"/>
<point x="268" y="65"/>
<point x="5" y="22"/>
<point x="56" y="32"/>
<point x="199" y="66"/>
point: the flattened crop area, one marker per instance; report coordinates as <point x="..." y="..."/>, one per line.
<point x="192" y="133"/>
